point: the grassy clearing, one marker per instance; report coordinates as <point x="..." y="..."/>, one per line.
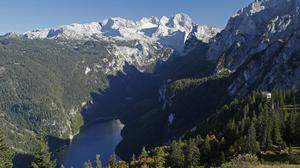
<point x="278" y="166"/>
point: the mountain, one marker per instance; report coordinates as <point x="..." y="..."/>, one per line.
<point x="257" y="51"/>
<point x="170" y="32"/>
<point x="166" y="78"/>
<point x="260" y="45"/>
<point x="142" y="38"/>
<point x="51" y="78"/>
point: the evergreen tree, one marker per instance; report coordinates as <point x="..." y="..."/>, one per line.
<point x="291" y="127"/>
<point x="42" y="157"/>
<point x="222" y="157"/>
<point x="206" y="151"/>
<point x="199" y="140"/>
<point x="6" y="155"/>
<point x="144" y="153"/>
<point x="277" y="139"/>
<point x="133" y="158"/>
<point x="88" y="164"/>
<point x="246" y="110"/>
<point x="98" y="161"/>
<point x="192" y="154"/>
<point x="177" y="156"/>
<point x="231" y="131"/>
<point x="267" y="128"/>
<point x="297" y="131"/>
<point x="112" y="162"/>
<point x="251" y="145"/>
<point x="159" y="157"/>
<point x="254" y="117"/>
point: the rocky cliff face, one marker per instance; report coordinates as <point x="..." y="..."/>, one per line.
<point x="260" y="45"/>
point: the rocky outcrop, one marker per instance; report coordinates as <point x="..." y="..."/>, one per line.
<point x="260" y="45"/>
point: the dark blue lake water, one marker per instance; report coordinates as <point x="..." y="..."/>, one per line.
<point x="99" y="138"/>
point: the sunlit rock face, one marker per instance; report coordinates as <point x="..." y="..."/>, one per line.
<point x="261" y="44"/>
<point x="169" y="31"/>
<point x="140" y="43"/>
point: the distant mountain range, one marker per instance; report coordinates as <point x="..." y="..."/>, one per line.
<point x="144" y="36"/>
<point x="170" y="32"/>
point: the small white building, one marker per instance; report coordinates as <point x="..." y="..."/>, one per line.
<point x="268" y="95"/>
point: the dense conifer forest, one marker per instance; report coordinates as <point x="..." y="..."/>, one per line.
<point x="254" y="130"/>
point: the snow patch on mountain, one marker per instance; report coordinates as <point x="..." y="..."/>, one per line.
<point x="171" y="32"/>
<point x="73" y="31"/>
<point x="205" y="33"/>
<point x="140" y="43"/>
<point x="171" y="118"/>
<point x="87" y="70"/>
<point x="256" y="7"/>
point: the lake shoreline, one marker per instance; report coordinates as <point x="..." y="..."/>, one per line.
<point x="91" y="134"/>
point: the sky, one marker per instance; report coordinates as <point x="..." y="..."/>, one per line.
<point x="26" y="15"/>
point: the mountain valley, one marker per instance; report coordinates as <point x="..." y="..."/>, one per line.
<point x="173" y="84"/>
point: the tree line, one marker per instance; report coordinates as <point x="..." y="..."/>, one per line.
<point x="252" y="125"/>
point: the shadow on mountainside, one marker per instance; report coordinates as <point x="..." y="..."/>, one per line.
<point x="133" y="97"/>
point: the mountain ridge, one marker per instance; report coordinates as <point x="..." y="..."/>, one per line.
<point x="262" y="37"/>
<point x="164" y="30"/>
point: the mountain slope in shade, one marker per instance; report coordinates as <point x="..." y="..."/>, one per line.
<point x="258" y="50"/>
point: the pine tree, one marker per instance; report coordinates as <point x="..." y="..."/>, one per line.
<point x="42" y="157"/>
<point x="222" y="157"/>
<point x="159" y="157"/>
<point x="98" y="161"/>
<point x="88" y="164"/>
<point x="177" y="156"/>
<point x="112" y="162"/>
<point x="297" y="131"/>
<point x="133" y="158"/>
<point x="199" y="140"/>
<point x="291" y="127"/>
<point x="251" y="145"/>
<point x="267" y="129"/>
<point x="6" y="155"/>
<point x="246" y="110"/>
<point x="192" y="154"/>
<point x="296" y="122"/>
<point x="231" y="131"/>
<point x="277" y="139"/>
<point x="206" y="151"/>
<point x="144" y="153"/>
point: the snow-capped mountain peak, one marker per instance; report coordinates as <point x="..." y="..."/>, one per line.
<point x="262" y="20"/>
<point x="140" y="43"/>
<point x="169" y="31"/>
<point x="182" y="22"/>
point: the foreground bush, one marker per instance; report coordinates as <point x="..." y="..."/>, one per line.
<point x="242" y="161"/>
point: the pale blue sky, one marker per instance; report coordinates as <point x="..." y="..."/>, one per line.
<point x="25" y="15"/>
